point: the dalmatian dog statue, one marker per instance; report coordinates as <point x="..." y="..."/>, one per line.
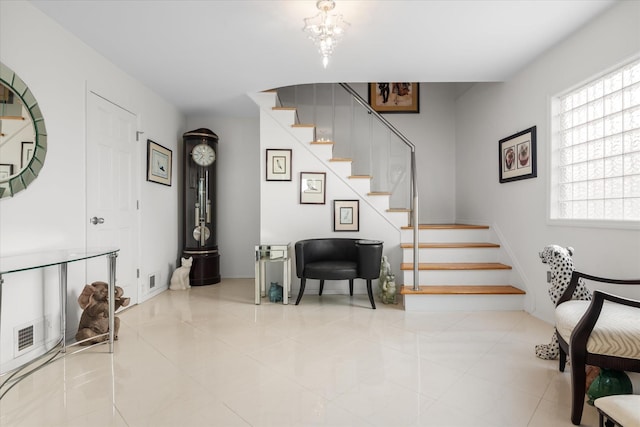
<point x="561" y="265"/>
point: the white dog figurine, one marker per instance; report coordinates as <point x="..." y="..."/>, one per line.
<point x="180" y="277"/>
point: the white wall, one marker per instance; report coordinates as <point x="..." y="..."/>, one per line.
<point x="491" y="111"/>
<point x="58" y="68"/>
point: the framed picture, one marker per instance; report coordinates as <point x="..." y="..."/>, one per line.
<point x="6" y="170"/>
<point x="159" y="161"/>
<point x="517" y="156"/>
<point x="346" y="215"/>
<point x="279" y="165"/>
<point x="395" y="97"/>
<point x="27" y="153"/>
<point x="312" y="188"/>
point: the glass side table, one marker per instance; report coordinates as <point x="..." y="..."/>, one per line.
<point x="272" y="253"/>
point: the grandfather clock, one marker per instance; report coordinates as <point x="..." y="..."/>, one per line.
<point x="199" y="206"/>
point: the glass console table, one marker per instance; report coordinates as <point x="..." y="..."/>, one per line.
<point x="272" y="253"/>
<point x="60" y="258"/>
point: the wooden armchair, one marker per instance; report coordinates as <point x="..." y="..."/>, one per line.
<point x="604" y="332"/>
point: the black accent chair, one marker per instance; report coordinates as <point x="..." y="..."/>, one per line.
<point x="587" y="343"/>
<point x="338" y="259"/>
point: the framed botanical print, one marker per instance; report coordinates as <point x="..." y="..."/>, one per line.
<point x="312" y="188"/>
<point x="278" y="164"/>
<point x="159" y="160"/>
<point x="346" y="215"/>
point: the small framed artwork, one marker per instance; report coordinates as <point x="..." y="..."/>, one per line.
<point x="26" y="154"/>
<point x="279" y="165"/>
<point x="517" y="156"/>
<point x="6" y="170"/>
<point x="394" y="97"/>
<point x="312" y="188"/>
<point x="159" y="161"/>
<point x="346" y="215"/>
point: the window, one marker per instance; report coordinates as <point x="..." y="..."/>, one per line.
<point x="595" y="154"/>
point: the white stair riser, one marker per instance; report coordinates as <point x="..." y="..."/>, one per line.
<point x="323" y="151"/>
<point x="285" y="117"/>
<point x="303" y="133"/>
<point x="399" y="219"/>
<point x="463" y="302"/>
<point x="447" y="235"/>
<point x="380" y="202"/>
<point x="361" y="185"/>
<point x="453" y="255"/>
<point x="458" y="277"/>
<point x="341" y="168"/>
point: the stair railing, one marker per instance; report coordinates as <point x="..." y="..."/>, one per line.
<point x="414" y="223"/>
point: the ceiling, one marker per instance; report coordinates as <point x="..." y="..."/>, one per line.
<point x="204" y="56"/>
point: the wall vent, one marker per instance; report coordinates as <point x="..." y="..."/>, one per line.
<point x="152" y="281"/>
<point x="25" y="337"/>
<point x="28" y="337"/>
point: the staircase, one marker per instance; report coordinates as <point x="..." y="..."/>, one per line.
<point x="458" y="271"/>
<point x="459" y="268"/>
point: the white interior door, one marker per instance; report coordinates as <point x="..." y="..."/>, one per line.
<point x="112" y="191"/>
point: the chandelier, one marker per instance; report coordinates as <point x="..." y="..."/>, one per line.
<point x="325" y="30"/>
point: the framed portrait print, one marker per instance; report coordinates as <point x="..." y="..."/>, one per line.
<point x="517" y="156"/>
<point x="346" y="215"/>
<point x="394" y="97"/>
<point x="312" y="188"/>
<point x="159" y="160"/>
<point x="278" y="165"/>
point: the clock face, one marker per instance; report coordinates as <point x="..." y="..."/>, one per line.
<point x="203" y="155"/>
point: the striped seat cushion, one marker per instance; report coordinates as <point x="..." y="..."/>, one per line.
<point x="616" y="333"/>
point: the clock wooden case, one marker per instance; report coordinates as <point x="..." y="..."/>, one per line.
<point x="200" y="233"/>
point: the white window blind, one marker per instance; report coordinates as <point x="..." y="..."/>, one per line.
<point x="595" y="157"/>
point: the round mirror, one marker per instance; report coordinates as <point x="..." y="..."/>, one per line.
<point x="23" y="136"/>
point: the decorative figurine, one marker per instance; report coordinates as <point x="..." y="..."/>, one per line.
<point x="180" y="277"/>
<point x="275" y="292"/>
<point x="95" y="317"/>
<point x="387" y="283"/>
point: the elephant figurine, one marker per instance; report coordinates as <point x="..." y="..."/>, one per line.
<point x="94" y="300"/>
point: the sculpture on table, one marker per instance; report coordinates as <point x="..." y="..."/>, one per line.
<point x="387" y="283"/>
<point x="275" y="292"/>
<point x="94" y="322"/>
<point x="180" y="277"/>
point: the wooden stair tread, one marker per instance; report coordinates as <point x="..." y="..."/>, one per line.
<point x="462" y="290"/>
<point x="379" y="193"/>
<point x="456" y="266"/>
<point x="284" y="108"/>
<point x="452" y="245"/>
<point x="303" y="125"/>
<point x="403" y="210"/>
<point x="340" y="159"/>
<point x="448" y="227"/>
<point x="360" y="177"/>
<point x="322" y="142"/>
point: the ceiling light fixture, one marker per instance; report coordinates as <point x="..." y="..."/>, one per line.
<point x="325" y="30"/>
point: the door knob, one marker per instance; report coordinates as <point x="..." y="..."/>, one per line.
<point x="95" y="220"/>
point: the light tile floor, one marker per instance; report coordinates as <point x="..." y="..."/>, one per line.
<point x="210" y="357"/>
